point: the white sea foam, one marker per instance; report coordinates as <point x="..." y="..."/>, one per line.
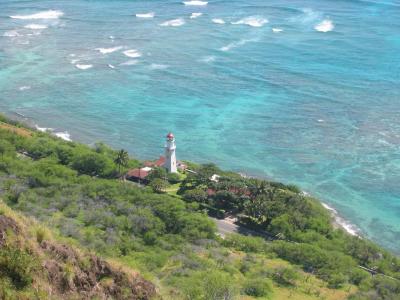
<point x="132" y="53"/>
<point x="64" y="135"/>
<point x="236" y="44"/>
<point x="111" y="37"/>
<point x="83" y="67"/>
<point x="253" y="21"/>
<point x="208" y="59"/>
<point x="195" y="3"/>
<point x="195" y="15"/>
<point x="24" y="88"/>
<point x="325" y="26"/>
<point x="43" y="129"/>
<point x="174" y="23"/>
<point x="277" y="30"/>
<point x="111" y="66"/>
<point x="129" y="62"/>
<point x="348" y="227"/>
<point x="11" y="33"/>
<point x="48" y="14"/>
<point x="36" y="32"/>
<point x="158" y="67"/>
<point x="218" y="21"/>
<point x="74" y="61"/>
<point x="35" y="26"/>
<point x="108" y="50"/>
<point x="146" y="15"/>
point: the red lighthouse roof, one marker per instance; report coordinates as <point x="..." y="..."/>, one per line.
<point x="170" y="135"/>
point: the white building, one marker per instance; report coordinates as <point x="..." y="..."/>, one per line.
<point x="170" y="156"/>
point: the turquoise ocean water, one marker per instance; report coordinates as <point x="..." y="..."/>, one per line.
<point x="303" y="91"/>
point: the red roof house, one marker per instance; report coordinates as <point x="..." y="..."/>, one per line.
<point x="137" y="175"/>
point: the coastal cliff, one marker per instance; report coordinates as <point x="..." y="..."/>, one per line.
<point x="166" y="234"/>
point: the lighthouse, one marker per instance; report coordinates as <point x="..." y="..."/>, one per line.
<point x="170" y="156"/>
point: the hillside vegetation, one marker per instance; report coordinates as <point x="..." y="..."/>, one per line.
<point x="74" y="190"/>
<point x="36" y="265"/>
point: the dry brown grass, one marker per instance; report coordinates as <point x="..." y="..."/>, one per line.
<point x="17" y="130"/>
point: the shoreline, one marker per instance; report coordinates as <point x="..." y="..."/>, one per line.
<point x="337" y="220"/>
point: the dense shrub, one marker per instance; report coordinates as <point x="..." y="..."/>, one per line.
<point x="173" y="178"/>
<point x="158" y="185"/>
<point x="257" y="287"/>
<point x="245" y="243"/>
<point x="285" y="276"/>
<point x="197" y="195"/>
<point x="6" y="148"/>
<point x="332" y="266"/>
<point x="93" y="164"/>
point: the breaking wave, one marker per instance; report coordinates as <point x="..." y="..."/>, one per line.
<point x="158" y="67"/>
<point x="64" y="135"/>
<point x="24" y="87"/>
<point x="195" y="3"/>
<point x="253" y="21"/>
<point x="174" y="23"/>
<point x="348" y="227"/>
<point x="277" y="30"/>
<point x="43" y="129"/>
<point x="35" y="26"/>
<point x="236" y="44"/>
<point x="11" y="33"/>
<point x="195" y="15"/>
<point x="132" y="53"/>
<point x="129" y="62"/>
<point x="108" y="50"/>
<point x="146" y="15"/>
<point x="83" y="67"/>
<point x="218" y="21"/>
<point x="48" y="14"/>
<point x="324" y="26"/>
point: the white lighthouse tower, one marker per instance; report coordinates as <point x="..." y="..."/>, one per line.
<point x="170" y="156"/>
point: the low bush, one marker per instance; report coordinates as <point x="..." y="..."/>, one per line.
<point x="286" y="276"/>
<point x="257" y="287"/>
<point x="17" y="265"/>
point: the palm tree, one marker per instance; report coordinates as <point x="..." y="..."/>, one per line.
<point x="121" y="160"/>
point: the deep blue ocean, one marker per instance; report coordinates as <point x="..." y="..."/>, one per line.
<point x="304" y="91"/>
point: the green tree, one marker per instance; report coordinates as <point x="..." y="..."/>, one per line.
<point x="173" y="178"/>
<point x="195" y="195"/>
<point x="92" y="163"/>
<point x="158" y="185"/>
<point x="121" y="160"/>
<point x="157" y="173"/>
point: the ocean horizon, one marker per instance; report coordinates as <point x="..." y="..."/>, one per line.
<point x="306" y="92"/>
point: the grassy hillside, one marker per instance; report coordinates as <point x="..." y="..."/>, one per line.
<point x="36" y="265"/>
<point x="74" y="190"/>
